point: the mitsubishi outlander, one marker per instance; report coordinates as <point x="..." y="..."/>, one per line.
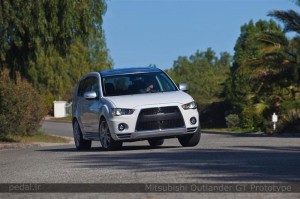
<point x="132" y="104"/>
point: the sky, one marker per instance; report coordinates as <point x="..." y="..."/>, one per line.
<point x="143" y="32"/>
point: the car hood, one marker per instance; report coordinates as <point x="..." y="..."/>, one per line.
<point x="146" y="99"/>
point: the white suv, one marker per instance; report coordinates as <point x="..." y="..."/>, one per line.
<point x="132" y="104"/>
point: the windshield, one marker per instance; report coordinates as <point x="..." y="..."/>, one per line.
<point x="141" y="83"/>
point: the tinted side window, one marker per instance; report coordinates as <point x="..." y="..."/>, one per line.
<point x="88" y="84"/>
<point x="81" y="88"/>
<point x="165" y="82"/>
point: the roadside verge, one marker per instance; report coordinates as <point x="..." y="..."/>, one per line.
<point x="26" y="145"/>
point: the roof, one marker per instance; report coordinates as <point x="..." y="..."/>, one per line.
<point x="122" y="71"/>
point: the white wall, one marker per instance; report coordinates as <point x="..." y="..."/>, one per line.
<point x="59" y="109"/>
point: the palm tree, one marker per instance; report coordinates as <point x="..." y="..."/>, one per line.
<point x="279" y="59"/>
<point x="291" y="21"/>
<point x="271" y="71"/>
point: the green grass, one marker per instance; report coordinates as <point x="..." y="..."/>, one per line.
<point x="229" y="130"/>
<point x="63" y="119"/>
<point x="36" y="137"/>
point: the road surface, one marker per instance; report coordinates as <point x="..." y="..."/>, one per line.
<point x="219" y="158"/>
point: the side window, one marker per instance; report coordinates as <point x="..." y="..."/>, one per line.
<point x="88" y="84"/>
<point x="81" y="88"/>
<point x="166" y="86"/>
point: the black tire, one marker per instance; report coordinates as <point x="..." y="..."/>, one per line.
<point x="156" y="142"/>
<point x="191" y="139"/>
<point x="107" y="142"/>
<point x="80" y="143"/>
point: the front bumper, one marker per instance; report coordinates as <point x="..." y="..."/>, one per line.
<point x="130" y="133"/>
<point x="142" y="135"/>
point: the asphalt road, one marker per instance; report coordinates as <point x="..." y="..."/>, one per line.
<point x="219" y="158"/>
<point x="58" y="128"/>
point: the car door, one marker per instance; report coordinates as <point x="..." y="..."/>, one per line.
<point x="91" y="108"/>
<point x="80" y="103"/>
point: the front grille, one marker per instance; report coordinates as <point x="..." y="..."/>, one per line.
<point x="159" y="118"/>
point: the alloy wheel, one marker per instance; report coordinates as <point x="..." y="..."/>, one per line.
<point x="105" y="138"/>
<point x="76" y="132"/>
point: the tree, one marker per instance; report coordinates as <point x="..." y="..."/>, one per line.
<point x="251" y="88"/>
<point x="46" y="40"/>
<point x="246" y="46"/>
<point x="276" y="67"/>
<point x="204" y="72"/>
<point x="240" y="86"/>
<point x="291" y="22"/>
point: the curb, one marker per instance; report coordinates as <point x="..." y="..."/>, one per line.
<point x="257" y="134"/>
<point x="56" y="121"/>
<point x="16" y="146"/>
<point x="232" y="133"/>
<point x="12" y="146"/>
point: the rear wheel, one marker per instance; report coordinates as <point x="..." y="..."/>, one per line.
<point x="80" y="143"/>
<point x="107" y="142"/>
<point x="191" y="139"/>
<point x="156" y="142"/>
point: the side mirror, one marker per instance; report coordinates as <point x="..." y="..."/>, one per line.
<point x="183" y="87"/>
<point x="90" y="95"/>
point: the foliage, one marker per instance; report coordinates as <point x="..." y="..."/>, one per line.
<point x="213" y="116"/>
<point x="246" y="46"/>
<point x="205" y="73"/>
<point x="265" y="75"/>
<point x="282" y="56"/>
<point x="52" y="43"/>
<point x="21" y="107"/>
<point x="288" y="105"/>
<point x="247" y="118"/>
<point x="290" y="121"/>
<point x="248" y="84"/>
<point x="262" y="76"/>
<point x="289" y="18"/>
<point x="251" y="120"/>
<point x="291" y="21"/>
<point x="232" y="120"/>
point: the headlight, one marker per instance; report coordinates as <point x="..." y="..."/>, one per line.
<point x="121" y="111"/>
<point x="191" y="105"/>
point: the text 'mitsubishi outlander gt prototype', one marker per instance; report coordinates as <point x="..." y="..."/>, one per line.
<point x="132" y="104"/>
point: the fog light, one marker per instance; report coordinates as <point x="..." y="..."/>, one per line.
<point x="193" y="120"/>
<point x="121" y="127"/>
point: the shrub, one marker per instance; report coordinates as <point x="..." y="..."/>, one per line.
<point x="21" y="106"/>
<point x="247" y="119"/>
<point x="290" y="121"/>
<point x="288" y="105"/>
<point x="213" y="116"/>
<point x="251" y="120"/>
<point x="267" y="127"/>
<point x="232" y="120"/>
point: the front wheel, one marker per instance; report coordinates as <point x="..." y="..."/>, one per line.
<point x="107" y="142"/>
<point x="156" y="142"/>
<point x="191" y="139"/>
<point x="80" y="143"/>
